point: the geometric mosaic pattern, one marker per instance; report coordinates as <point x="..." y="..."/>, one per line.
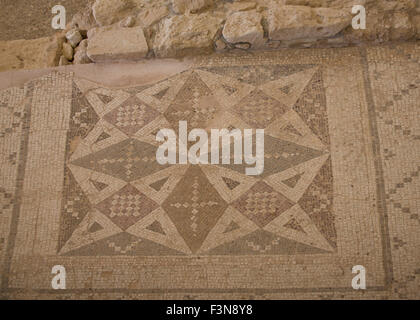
<point x="130" y="186"/>
<point x="80" y="185"/>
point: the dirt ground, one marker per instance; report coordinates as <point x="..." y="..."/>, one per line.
<point x="23" y="19"/>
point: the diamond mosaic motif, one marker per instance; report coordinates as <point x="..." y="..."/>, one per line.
<point x="131" y="116"/>
<point x="127" y="206"/>
<point x="262" y="204"/>
<point x="128" y="160"/>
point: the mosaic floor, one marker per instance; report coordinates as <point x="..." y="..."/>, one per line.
<point x="80" y="185"/>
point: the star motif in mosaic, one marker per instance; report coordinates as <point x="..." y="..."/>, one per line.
<point x="129" y="204"/>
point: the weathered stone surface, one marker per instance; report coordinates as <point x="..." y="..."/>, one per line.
<point x="375" y="31"/>
<point x="128" y="22"/>
<point x="68" y="51"/>
<point x="109" y="44"/>
<point x="244" y="27"/>
<point x="183" y="6"/>
<point x="74" y="37"/>
<point x="402" y="28"/>
<point x="150" y="16"/>
<point x="300" y="22"/>
<point x="63" y="61"/>
<point x="84" y="20"/>
<point x="107" y="12"/>
<point x="187" y="34"/>
<point x="396" y="5"/>
<point x="82" y="45"/>
<point x="30" y="54"/>
<point x="383" y="26"/>
<point x="80" y="54"/>
<point x="327" y="3"/>
<point x="241" y="6"/>
<point x="91" y="32"/>
<point x="220" y="45"/>
<point x="197" y="24"/>
<point x="81" y="57"/>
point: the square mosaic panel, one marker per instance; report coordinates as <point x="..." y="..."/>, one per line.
<point x="83" y="188"/>
<point x="118" y="200"/>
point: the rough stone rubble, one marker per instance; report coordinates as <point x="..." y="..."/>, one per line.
<point x="111" y="30"/>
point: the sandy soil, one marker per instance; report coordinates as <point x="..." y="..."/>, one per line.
<point x="23" y="19"/>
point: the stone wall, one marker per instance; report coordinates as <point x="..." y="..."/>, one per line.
<point x="109" y="30"/>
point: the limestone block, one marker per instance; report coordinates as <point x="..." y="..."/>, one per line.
<point x="244" y="27"/>
<point x="110" y="43"/>
<point x="107" y="12"/>
<point x="187" y="34"/>
<point x="183" y="6"/>
<point x="300" y="22"/>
